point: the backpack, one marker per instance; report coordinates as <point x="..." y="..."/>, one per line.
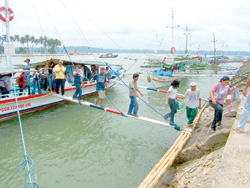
<point x="17" y="80"/>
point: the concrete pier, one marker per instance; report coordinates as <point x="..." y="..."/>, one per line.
<point x="234" y="168"/>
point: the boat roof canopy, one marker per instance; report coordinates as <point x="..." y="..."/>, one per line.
<point x="67" y="62"/>
<point x="7" y="70"/>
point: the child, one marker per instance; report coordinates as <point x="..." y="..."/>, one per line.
<point x="170" y="100"/>
<point x="193" y="103"/>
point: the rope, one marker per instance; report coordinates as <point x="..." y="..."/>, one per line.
<point x="171" y="123"/>
<point x="110" y="101"/>
<point x="28" y="162"/>
<point x="51" y="20"/>
<point x="132" y="64"/>
<point x="113" y="104"/>
<point x="93" y="85"/>
<point x="89" y="46"/>
<point x="80" y="9"/>
<point x="69" y="59"/>
<point x="20" y="123"/>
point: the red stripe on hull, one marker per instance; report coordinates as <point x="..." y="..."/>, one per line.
<point x="33" y="109"/>
<point x="163" y="81"/>
<point x="23" y="98"/>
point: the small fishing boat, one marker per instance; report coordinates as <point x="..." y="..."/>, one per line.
<point x="165" y="75"/>
<point x="108" y="55"/>
<point x="162" y="78"/>
<point x="29" y="103"/>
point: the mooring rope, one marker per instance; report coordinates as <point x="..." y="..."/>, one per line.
<point x="113" y="104"/>
<point x="171" y="123"/>
<point x="27" y="161"/>
<point x="21" y="167"/>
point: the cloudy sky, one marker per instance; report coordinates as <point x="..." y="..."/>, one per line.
<point x="136" y="24"/>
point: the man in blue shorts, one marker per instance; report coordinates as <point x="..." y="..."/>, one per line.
<point x="101" y="82"/>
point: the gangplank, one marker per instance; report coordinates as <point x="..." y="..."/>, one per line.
<point x="85" y="103"/>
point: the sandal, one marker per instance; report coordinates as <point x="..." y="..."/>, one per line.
<point x="237" y="130"/>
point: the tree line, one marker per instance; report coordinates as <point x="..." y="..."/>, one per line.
<point x="31" y="44"/>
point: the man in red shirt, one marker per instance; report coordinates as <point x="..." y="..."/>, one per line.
<point x="22" y="84"/>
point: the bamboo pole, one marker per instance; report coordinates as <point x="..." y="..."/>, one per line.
<point x="159" y="170"/>
<point x="170" y="162"/>
<point x="167" y="160"/>
<point x="150" y="175"/>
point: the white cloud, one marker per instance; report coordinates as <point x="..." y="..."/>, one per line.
<point x="135" y="23"/>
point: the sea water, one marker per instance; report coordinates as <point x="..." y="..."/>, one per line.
<point x="77" y="146"/>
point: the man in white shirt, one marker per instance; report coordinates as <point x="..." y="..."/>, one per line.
<point x="193" y="103"/>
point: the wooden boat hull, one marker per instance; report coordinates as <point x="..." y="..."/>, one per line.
<point x="161" y="81"/>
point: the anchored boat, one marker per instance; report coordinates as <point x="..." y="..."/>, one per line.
<point x="108" y="55"/>
<point x="29" y="103"/>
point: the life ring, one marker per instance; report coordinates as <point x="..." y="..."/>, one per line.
<point x="173" y="50"/>
<point x="11" y="14"/>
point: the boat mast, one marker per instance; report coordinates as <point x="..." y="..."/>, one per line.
<point x="172" y="28"/>
<point x="7" y="28"/>
<point x="214" y="46"/>
<point x="156" y="45"/>
<point x="186" y="33"/>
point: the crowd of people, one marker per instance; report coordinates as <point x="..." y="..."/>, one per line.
<point x="217" y="96"/>
<point x="192" y="94"/>
<point x="176" y="68"/>
<point x="50" y="78"/>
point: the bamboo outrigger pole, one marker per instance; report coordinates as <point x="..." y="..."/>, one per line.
<point x="113" y="111"/>
<point x="167" y="160"/>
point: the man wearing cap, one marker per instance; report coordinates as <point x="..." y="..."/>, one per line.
<point x="101" y="82"/>
<point x="133" y="107"/>
<point x="193" y="103"/>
